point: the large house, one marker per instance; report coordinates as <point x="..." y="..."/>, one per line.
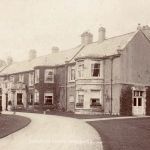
<point x="109" y="76"/>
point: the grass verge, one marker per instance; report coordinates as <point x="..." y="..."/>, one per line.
<point x="11" y="123"/>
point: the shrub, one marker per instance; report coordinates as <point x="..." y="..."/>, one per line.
<point x="126" y="100"/>
<point x="148" y="101"/>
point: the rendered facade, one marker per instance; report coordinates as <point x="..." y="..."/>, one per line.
<point x="107" y="76"/>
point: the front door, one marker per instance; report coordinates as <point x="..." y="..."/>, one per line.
<point x="138" y="103"/>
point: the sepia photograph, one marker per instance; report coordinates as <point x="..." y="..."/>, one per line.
<point x="74" y="74"/>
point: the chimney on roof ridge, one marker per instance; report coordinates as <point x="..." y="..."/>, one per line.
<point x="86" y="38"/>
<point x="32" y="54"/>
<point x="101" y="34"/>
<point x="55" y="49"/>
<point x="139" y="26"/>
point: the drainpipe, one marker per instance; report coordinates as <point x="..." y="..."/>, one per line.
<point x="66" y="80"/>
<point x="111" y="82"/>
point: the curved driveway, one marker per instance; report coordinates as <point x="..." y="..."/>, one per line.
<point x="47" y="132"/>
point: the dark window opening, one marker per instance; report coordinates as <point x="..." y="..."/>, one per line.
<point x="134" y="102"/>
<point x="95" y="102"/>
<point x="19" y="99"/>
<point x="139" y="101"/>
<point x="96" y="70"/>
<point x="48" y="100"/>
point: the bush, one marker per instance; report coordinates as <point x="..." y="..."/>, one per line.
<point x="126" y="101"/>
<point x="148" y="101"/>
<point x="9" y="103"/>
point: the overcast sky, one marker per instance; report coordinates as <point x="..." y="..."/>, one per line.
<point x="41" y="24"/>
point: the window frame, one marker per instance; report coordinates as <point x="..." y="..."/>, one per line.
<point x="37" y="76"/>
<point x="36" y="96"/>
<point x="80" y="69"/>
<point x="48" y="94"/>
<point x="21" y="78"/>
<point x="93" y="68"/>
<point x="46" y="75"/>
<point x="31" y="78"/>
<point x="71" y="77"/>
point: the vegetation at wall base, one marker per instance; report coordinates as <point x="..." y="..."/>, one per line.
<point x="126" y="100"/>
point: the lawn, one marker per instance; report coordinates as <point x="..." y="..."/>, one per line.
<point x="11" y="123"/>
<point x="125" y="134"/>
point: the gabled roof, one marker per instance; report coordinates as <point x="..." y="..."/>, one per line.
<point x="107" y="48"/>
<point x="47" y="60"/>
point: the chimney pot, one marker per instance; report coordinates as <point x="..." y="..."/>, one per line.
<point x="101" y="34"/>
<point x="86" y="38"/>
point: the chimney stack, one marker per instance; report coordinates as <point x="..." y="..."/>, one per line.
<point x="32" y="54"/>
<point x="55" y="49"/>
<point x="101" y="34"/>
<point x="139" y="27"/>
<point x="86" y="38"/>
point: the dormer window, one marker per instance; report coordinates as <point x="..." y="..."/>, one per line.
<point x="95" y="69"/>
<point x="21" y="77"/>
<point x="49" y="76"/>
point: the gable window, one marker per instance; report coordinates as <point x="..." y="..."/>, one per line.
<point x="80" y="70"/>
<point x="80" y="99"/>
<point x="31" y="79"/>
<point x="71" y="73"/>
<point x="48" y="98"/>
<point x="21" y="77"/>
<point x="95" y="69"/>
<point x="49" y="76"/>
<point x="37" y="75"/>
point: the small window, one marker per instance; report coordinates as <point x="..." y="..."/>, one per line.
<point x="134" y="102"/>
<point x="21" y="77"/>
<point x="95" y="102"/>
<point x="49" y="75"/>
<point x="37" y="75"/>
<point x="31" y="79"/>
<point x="139" y="101"/>
<point x="71" y="75"/>
<point x="95" y="70"/>
<point x="48" y="98"/>
<point x="12" y="79"/>
<point x="36" y="97"/>
<point x="80" y="100"/>
<point x="80" y="70"/>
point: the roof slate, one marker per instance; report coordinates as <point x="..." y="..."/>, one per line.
<point x="106" y="48"/>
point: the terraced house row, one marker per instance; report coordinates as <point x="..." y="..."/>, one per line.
<point x="111" y="75"/>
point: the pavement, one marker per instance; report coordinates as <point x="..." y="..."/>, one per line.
<point x="46" y="132"/>
<point x="115" y="118"/>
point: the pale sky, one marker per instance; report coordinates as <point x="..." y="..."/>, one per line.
<point x="42" y="24"/>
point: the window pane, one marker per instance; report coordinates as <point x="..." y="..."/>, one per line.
<point x="95" y="70"/>
<point x="134" y="102"/>
<point x="139" y="101"/>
